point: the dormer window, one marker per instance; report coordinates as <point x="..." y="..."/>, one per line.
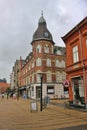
<point x="58" y="52"/>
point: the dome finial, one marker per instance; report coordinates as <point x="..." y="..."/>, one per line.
<point x="41" y="12"/>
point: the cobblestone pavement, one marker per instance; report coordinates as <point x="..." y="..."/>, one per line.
<point x="16" y="115"/>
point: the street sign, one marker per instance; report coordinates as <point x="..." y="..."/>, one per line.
<point x="66" y="83"/>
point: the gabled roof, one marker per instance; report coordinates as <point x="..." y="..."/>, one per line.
<point x="76" y="28"/>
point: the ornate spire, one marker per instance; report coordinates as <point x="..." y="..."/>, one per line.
<point x="42" y="13"/>
<point x="42" y="32"/>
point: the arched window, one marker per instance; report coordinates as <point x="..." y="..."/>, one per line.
<point x="32" y="78"/>
<point x="38" y="77"/>
<point x="33" y="64"/>
<point x="63" y="63"/>
<point x="63" y="75"/>
<point x="38" y="62"/>
<point x="38" y="49"/>
<point x="49" y="76"/>
<point x="58" y="52"/>
<point x="46" y="49"/>
<point x="48" y="62"/>
<point x="58" y="76"/>
<point x="58" y="64"/>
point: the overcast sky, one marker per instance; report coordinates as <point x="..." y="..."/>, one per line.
<point x="19" y="20"/>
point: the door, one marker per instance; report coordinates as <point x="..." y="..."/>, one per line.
<point x="38" y="92"/>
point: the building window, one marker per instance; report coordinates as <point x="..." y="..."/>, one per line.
<point x="75" y="54"/>
<point x="57" y="63"/>
<point x="32" y="78"/>
<point x="38" y="49"/>
<point x="38" y="62"/>
<point x="49" y="76"/>
<point x="58" y="52"/>
<point x="38" y="78"/>
<point x="78" y="90"/>
<point x="29" y="79"/>
<point x="58" y="76"/>
<point x="63" y="75"/>
<point x="46" y="49"/>
<point x="86" y="42"/>
<point x="63" y="63"/>
<point x="50" y="89"/>
<point x="29" y="67"/>
<point x="48" y="63"/>
<point x="33" y="64"/>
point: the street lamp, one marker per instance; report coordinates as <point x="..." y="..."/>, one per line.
<point x="17" y="91"/>
<point x="41" y="78"/>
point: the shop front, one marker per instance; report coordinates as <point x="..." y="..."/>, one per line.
<point x="78" y="92"/>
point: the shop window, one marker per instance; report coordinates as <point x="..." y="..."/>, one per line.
<point x="50" y="89"/>
<point x="79" y="90"/>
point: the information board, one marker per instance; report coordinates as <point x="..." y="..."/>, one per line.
<point x="33" y="106"/>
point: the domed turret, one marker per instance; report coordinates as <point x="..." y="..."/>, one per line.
<point x="42" y="33"/>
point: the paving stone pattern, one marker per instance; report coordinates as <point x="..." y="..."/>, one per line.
<point x="17" y="115"/>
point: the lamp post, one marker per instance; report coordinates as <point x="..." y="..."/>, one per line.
<point x="41" y="78"/>
<point x="17" y="91"/>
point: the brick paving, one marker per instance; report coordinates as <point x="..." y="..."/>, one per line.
<point x="16" y="115"/>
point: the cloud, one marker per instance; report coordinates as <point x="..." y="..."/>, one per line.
<point x="19" y="20"/>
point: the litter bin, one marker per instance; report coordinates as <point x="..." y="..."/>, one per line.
<point x="46" y="100"/>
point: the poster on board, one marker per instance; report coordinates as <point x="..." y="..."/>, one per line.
<point x="33" y="106"/>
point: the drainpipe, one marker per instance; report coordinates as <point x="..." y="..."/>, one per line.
<point x="83" y="66"/>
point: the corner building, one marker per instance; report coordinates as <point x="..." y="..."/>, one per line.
<point x="76" y="63"/>
<point x="47" y="59"/>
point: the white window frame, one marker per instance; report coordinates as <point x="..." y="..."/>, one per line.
<point x="63" y="75"/>
<point x="49" y="76"/>
<point x="46" y="49"/>
<point x="38" y="62"/>
<point x="63" y="63"/>
<point x="38" y="49"/>
<point x="48" y="62"/>
<point x="38" y="78"/>
<point x="58" y="76"/>
<point x="57" y="63"/>
<point x="75" y="54"/>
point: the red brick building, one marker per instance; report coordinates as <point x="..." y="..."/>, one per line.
<point x="76" y="63"/>
<point x="3" y="87"/>
<point x="45" y="58"/>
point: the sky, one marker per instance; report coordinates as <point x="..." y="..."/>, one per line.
<point x="19" y="20"/>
